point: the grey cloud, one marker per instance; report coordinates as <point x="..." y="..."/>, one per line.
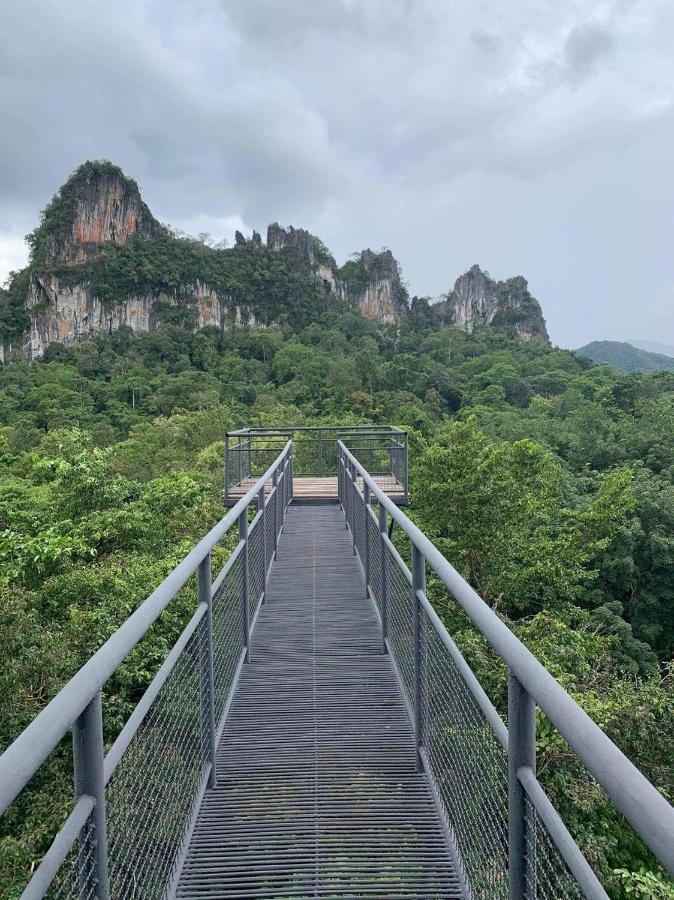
<point x="586" y="46"/>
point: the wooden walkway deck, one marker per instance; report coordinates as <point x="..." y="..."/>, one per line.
<point x="318" y="794"/>
<point x="310" y="488"/>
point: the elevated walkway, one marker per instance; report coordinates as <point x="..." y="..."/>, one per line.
<point x="315" y="732"/>
<point x="318" y="793"/>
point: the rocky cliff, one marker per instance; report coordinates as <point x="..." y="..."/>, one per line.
<point x="370" y="281"/>
<point x="506" y="306"/>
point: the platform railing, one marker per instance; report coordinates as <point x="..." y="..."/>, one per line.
<point x="135" y="806"/>
<point x="508" y="839"/>
<point x="381" y="449"/>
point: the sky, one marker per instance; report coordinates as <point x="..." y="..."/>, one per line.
<point x="532" y="137"/>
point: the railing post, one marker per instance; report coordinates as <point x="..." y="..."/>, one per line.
<point x="352" y="470"/>
<point x="418" y="584"/>
<point x="206" y="596"/>
<point x="88" y="757"/>
<point x="291" y="485"/>
<point x="320" y="453"/>
<point x="366" y="536"/>
<point x="250" y="457"/>
<point x="261" y="505"/>
<point x="243" y="536"/>
<point x="406" y="469"/>
<point x="274" y="483"/>
<point x="226" y="466"/>
<point x="239" y="460"/>
<point x="521" y="753"/>
<point x="383" y="566"/>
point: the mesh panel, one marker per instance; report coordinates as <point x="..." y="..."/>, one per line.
<point x="359" y="524"/>
<point x="75" y="880"/>
<point x="151" y="794"/>
<point x="470" y="768"/>
<point x="270" y="519"/>
<point x="547" y="875"/>
<point x="227" y="633"/>
<point x="375" y="559"/>
<point x="256" y="571"/>
<point x="400" y="622"/>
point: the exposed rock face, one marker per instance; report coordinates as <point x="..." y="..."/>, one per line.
<point x="371" y="281"/>
<point x="70" y="313"/>
<point x="98" y="205"/>
<point x="504" y="305"/>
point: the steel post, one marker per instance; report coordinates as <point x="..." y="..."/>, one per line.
<point x="383" y="565"/>
<point x="226" y="466"/>
<point x="263" y="525"/>
<point x="366" y="537"/>
<point x="353" y="489"/>
<point x="88" y="760"/>
<point x="243" y="536"/>
<point x="521" y="753"/>
<point x="206" y="596"/>
<point x="418" y="584"/>
<point x="320" y="453"/>
<point x="275" y="489"/>
<point x="239" y="460"/>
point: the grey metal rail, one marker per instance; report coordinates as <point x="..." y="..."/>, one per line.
<point x="510" y="840"/>
<point x="114" y="842"/>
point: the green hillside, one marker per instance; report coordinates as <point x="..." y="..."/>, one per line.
<point x="625" y="357"/>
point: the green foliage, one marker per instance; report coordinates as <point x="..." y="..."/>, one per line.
<point x="625" y="357"/>
<point x="548" y="482"/>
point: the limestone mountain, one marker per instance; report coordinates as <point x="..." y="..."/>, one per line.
<point x="507" y="306"/>
<point x="100" y="261"/>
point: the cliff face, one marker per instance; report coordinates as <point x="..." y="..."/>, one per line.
<point x="506" y="306"/>
<point x="371" y="281"/>
<point x="96" y="205"/>
<point x="70" y="313"/>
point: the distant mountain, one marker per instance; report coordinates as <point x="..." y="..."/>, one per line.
<point x="626" y="357"/>
<point x="654" y="347"/>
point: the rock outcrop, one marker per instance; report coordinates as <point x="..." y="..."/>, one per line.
<point x="370" y="281"/>
<point x="506" y="306"/>
<point x="97" y="205"/>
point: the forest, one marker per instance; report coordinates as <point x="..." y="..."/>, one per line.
<point x="547" y="481"/>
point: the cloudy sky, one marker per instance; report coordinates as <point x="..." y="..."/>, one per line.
<point x="531" y="136"/>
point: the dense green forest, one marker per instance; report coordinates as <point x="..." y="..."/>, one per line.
<point x="547" y="481"/>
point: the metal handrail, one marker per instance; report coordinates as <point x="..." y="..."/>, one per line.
<point x="77" y="706"/>
<point x="529" y="683"/>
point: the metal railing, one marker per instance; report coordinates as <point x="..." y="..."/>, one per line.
<point x="382" y="450"/>
<point x="508" y="839"/>
<point x="135" y="806"/>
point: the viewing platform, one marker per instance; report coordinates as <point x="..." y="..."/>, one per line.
<point x="381" y="449"/>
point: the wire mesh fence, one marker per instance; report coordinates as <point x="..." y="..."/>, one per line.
<point x="547" y="875"/>
<point x="76" y="878"/>
<point x="462" y="749"/>
<point x="256" y="563"/>
<point x="152" y="792"/>
<point x="227" y="633"/>
<point x="470" y="768"/>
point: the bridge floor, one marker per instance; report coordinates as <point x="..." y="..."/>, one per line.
<point x="317" y="791"/>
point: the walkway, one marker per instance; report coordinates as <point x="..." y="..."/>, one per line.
<point x="317" y="792"/>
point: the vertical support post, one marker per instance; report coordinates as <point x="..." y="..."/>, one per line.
<point x="250" y="457"/>
<point x="88" y="759"/>
<point x="383" y="566"/>
<point x="261" y="505"/>
<point x="366" y="495"/>
<point x="320" y="453"/>
<point x="243" y="536"/>
<point x="239" y="459"/>
<point x="418" y="584"/>
<point x="406" y="469"/>
<point x="274" y="482"/>
<point x="226" y="466"/>
<point x="352" y="471"/>
<point x="521" y="753"/>
<point x="205" y="596"/>
<point x="291" y="482"/>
